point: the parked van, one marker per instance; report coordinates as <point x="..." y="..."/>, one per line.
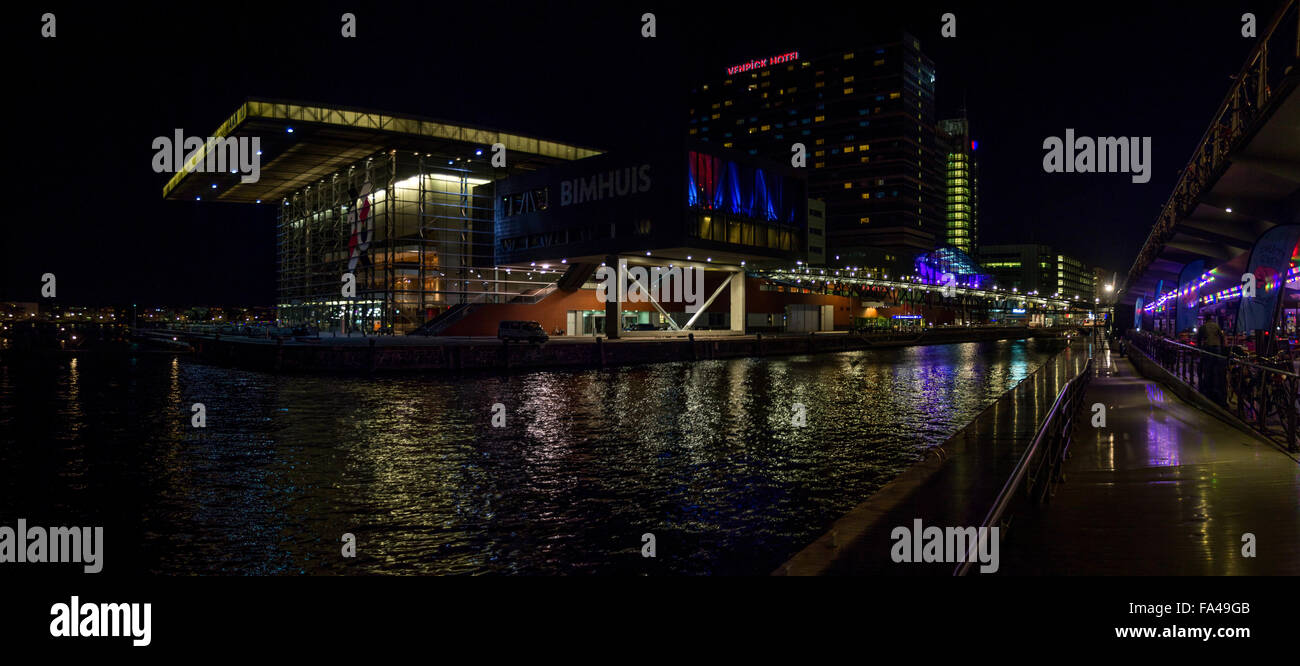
<point x="521" y="330"/>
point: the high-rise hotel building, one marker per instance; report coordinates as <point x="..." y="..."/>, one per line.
<point x="866" y="118"/>
<point x="961" y="187"/>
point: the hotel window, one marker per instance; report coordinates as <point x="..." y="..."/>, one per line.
<point x="894" y="95"/>
<point x="766" y="73"/>
<point x="848" y="79"/>
<point x="820" y="153"/>
<point x="879" y="62"/>
<point x="864" y="220"/>
<point x="819" y="84"/>
<point x="848" y="56"/>
<point x="765" y="128"/>
<point x="848" y="91"/>
<point x="727" y="103"/>
<point x="848" y="149"/>
<point x="715" y="105"/>
<point x="866" y="195"/>
<point x="727" y="144"/>
<point x="715" y="116"/>
<point x="848" y="186"/>
<point x="819" y="119"/>
<point x="819" y="165"/>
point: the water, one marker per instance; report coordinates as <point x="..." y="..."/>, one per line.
<point x="703" y="455"/>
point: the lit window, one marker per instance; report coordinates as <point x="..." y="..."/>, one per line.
<point x="848" y="91"/>
<point x="848" y="56"/>
<point x="894" y="95"/>
<point x="848" y="186"/>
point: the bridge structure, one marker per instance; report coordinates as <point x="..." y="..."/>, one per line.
<point x="1241" y="183"/>
<point x="915" y="290"/>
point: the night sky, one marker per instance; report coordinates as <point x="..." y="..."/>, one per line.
<point x="86" y="105"/>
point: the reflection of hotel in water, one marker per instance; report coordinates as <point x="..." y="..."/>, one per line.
<point x="430" y="233"/>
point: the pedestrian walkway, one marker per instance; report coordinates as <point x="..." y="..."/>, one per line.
<point x="954" y="486"/>
<point x="1162" y="489"/>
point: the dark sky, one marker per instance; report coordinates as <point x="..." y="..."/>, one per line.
<point x="89" y="102"/>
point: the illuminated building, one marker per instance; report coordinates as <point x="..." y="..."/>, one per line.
<point x="394" y="201"/>
<point x="961" y="188"/>
<point x="866" y="118"/>
<point x="1037" y="269"/>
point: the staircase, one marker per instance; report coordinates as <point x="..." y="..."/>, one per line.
<point x="445" y="319"/>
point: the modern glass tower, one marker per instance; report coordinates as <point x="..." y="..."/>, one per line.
<point x="961" y="186"/>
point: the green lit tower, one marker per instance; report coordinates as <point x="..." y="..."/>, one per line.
<point x="961" y="196"/>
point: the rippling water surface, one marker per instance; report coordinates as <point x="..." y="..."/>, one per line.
<point x="703" y="455"/>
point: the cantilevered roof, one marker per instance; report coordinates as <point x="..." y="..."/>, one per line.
<point x="325" y="139"/>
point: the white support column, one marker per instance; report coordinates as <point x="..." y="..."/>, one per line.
<point x="738" y="301"/>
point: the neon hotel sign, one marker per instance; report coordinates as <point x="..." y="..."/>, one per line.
<point x="764" y="62"/>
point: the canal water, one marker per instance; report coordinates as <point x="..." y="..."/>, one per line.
<point x="709" y="457"/>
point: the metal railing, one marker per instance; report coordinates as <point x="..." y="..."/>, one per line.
<point x="1262" y="393"/>
<point x="1040" y="465"/>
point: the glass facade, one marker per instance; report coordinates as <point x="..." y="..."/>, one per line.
<point x="411" y="229"/>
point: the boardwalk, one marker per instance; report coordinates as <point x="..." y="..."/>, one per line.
<point x="1163" y="489"/>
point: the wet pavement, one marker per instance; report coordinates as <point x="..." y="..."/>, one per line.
<point x="1162" y="489"/>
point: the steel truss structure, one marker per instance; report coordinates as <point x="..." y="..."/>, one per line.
<point x="422" y="243"/>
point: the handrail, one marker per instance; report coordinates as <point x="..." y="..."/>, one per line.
<point x="1235" y="359"/>
<point x="1225" y="380"/>
<point x="1067" y="399"/>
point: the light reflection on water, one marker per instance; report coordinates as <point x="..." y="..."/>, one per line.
<point x="703" y="455"/>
